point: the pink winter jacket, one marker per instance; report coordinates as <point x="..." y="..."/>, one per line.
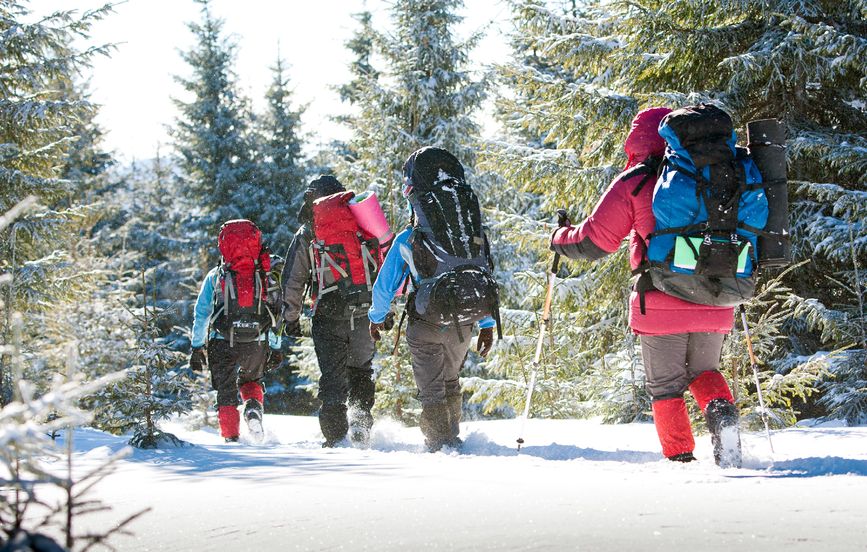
<point x="618" y="214"/>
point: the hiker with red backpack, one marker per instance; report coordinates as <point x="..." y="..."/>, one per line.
<point x="235" y="315"/>
<point x="445" y="261"/>
<point x="337" y="257"/>
<point x="692" y="240"/>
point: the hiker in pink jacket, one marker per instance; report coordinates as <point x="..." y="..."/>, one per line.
<point x="681" y="342"/>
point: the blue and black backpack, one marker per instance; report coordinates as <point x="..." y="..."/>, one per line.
<point x="710" y="207"/>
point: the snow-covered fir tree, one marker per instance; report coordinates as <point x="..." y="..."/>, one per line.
<point x="154" y="387"/>
<point x="97" y="316"/>
<point x="141" y="232"/>
<point x="579" y="75"/>
<point x="423" y="95"/>
<point x="212" y="134"/>
<point x="39" y="116"/>
<point x="86" y="159"/>
<point x="362" y="46"/>
<point x="29" y="424"/>
<point x="280" y="181"/>
<point x="540" y="163"/>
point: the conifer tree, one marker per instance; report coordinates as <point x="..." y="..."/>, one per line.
<point x="39" y="115"/>
<point x="154" y="388"/>
<point x="577" y="79"/>
<point x="424" y="95"/>
<point x="212" y="132"/>
<point x="362" y="45"/>
<point x="86" y="160"/>
<point x="140" y="238"/>
<point x="98" y="310"/>
<point x="281" y="174"/>
<point x="28" y="426"/>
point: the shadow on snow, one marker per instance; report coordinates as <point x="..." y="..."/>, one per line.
<point x="306" y="457"/>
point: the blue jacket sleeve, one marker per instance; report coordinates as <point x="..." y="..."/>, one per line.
<point x="487" y="322"/>
<point x="390" y="278"/>
<point x="204" y="310"/>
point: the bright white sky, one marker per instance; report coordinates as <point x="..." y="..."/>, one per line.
<point x="135" y="85"/>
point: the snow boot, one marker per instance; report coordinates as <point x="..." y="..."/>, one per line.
<point x="360" y="423"/>
<point x="254" y="397"/>
<point x="722" y="421"/>
<point x="455" y="408"/>
<point x="434" y="424"/>
<point x="230" y="421"/>
<point x="362" y="389"/>
<point x="253" y="417"/>
<point x="333" y="423"/>
<point x="685" y="457"/>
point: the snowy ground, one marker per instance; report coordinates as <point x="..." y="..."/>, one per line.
<point x="576" y="485"/>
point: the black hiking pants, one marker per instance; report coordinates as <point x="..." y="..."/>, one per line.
<point x="232" y="367"/>
<point x="345" y="353"/>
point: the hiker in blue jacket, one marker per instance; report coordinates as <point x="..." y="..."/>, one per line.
<point x="234" y="316"/>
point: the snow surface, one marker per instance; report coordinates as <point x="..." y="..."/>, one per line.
<point x="576" y="485"/>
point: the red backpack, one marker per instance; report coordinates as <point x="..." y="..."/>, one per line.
<point x="346" y="259"/>
<point x="247" y="296"/>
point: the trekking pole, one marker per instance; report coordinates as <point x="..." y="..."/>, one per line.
<point x="562" y="220"/>
<point x="755" y="364"/>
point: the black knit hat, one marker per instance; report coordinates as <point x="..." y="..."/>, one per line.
<point x="324" y="185"/>
<point x="321" y="186"/>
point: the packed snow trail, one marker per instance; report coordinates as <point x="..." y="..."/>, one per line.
<point x="576" y="485"/>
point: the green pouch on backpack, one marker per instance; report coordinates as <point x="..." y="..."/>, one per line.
<point x="685" y="256"/>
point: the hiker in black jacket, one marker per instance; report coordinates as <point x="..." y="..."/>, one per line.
<point x="344" y="348"/>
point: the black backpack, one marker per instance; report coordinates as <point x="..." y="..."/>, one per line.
<point x="450" y="251"/>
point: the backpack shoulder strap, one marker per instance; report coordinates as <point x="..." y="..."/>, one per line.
<point x="218" y="275"/>
<point x="650" y="167"/>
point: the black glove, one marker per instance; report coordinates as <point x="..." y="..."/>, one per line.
<point x="388" y="323"/>
<point x="275" y="359"/>
<point x="375" y="329"/>
<point x="485" y="341"/>
<point x="562" y="222"/>
<point x="292" y="329"/>
<point x="198" y="360"/>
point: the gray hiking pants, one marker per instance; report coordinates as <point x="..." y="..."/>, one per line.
<point x="673" y="361"/>
<point x="437" y="357"/>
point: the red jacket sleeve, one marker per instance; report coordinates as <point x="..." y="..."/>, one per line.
<point x="601" y="233"/>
